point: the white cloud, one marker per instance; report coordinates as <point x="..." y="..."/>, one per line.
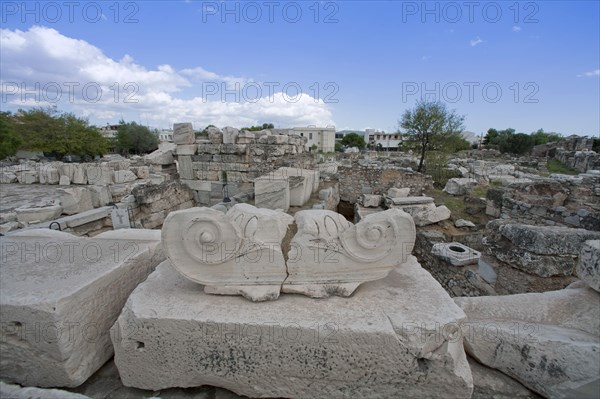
<point x="425" y="58"/>
<point x="516" y="29"/>
<point x="595" y="72"/>
<point x="46" y="63"/>
<point x="475" y="42"/>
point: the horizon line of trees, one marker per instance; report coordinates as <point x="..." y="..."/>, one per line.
<point x="58" y="134"/>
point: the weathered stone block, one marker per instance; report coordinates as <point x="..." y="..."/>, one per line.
<point x="272" y="193"/>
<point x="60" y="296"/>
<point x="183" y="133"/>
<point x="546" y="341"/>
<point x="296" y="347"/>
<point x="123" y="176"/>
<point x="588" y="268"/>
<point x="76" y="199"/>
<point x="186" y="170"/>
<point x="187" y="149"/>
<point x="459" y="186"/>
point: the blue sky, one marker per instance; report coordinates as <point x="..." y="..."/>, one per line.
<point x="358" y="64"/>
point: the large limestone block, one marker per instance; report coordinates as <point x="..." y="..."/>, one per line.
<point x="79" y="174"/>
<point x="272" y="192"/>
<point x="123" y="176"/>
<point x="183" y="133"/>
<point x="186" y="170"/>
<point x="101" y="195"/>
<point x="215" y="135"/>
<point x="187" y="149"/>
<point x="331" y="256"/>
<point x="588" y="268"/>
<point x="539" y="250"/>
<point x="489" y="383"/>
<point x="547" y="341"/>
<point x="75" y="199"/>
<point x="230" y="135"/>
<point x="41" y="213"/>
<point x="234" y="253"/>
<point x="10" y="391"/>
<point x="27" y="176"/>
<point x="162" y="156"/>
<point x="393" y="338"/>
<point x="59" y="296"/>
<point x="49" y="174"/>
<point x="7" y="177"/>
<point x="98" y="174"/>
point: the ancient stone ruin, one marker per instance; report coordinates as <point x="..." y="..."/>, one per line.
<point x="241" y="263"/>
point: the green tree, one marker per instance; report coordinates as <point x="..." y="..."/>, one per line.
<point x="429" y="127"/>
<point x="541" y="137"/>
<point x="135" y="139"/>
<point x="596" y="145"/>
<point x="50" y="131"/>
<point x="259" y="127"/>
<point x="353" y="140"/>
<point x="9" y="141"/>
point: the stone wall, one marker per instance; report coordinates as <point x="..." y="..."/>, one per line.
<point x="155" y="201"/>
<point x="581" y="161"/>
<point x="572" y="203"/>
<point x="358" y="177"/>
<point x="203" y="171"/>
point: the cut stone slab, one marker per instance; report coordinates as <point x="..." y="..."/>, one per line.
<point x="98" y="174"/>
<point x="398" y="192"/>
<point x="162" y="156"/>
<point x="393" y="338"/>
<point x="588" y="268"/>
<point x="410" y="200"/>
<point x="59" y="296"/>
<point x="183" y="133"/>
<point x="123" y="176"/>
<point x="230" y="135"/>
<point x="272" y="192"/>
<point x="547" y="341"/>
<point x="187" y="149"/>
<point x="7" y="177"/>
<point x="463" y="223"/>
<point x="64" y="181"/>
<point x="75" y="200"/>
<point x="39" y="213"/>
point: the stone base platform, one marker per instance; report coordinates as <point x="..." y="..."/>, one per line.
<point x="60" y="295"/>
<point x="395" y="337"/>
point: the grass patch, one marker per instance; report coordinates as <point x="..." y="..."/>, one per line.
<point x="555" y="166"/>
<point x="455" y="204"/>
<point x="479" y="191"/>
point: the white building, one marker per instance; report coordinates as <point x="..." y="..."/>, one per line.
<point x="389" y="141"/>
<point x="165" y="135"/>
<point x="322" y="137"/>
<point x="109" y="131"/>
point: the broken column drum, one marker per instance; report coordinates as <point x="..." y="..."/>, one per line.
<point x="240" y="252"/>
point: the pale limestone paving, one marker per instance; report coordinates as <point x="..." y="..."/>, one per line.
<point x="547" y="341"/>
<point x="59" y="296"/>
<point x="384" y="341"/>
